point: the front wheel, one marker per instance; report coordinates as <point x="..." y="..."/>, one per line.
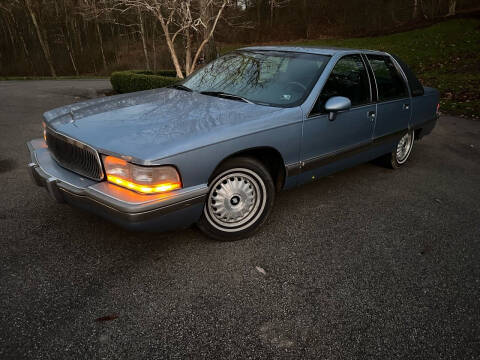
<point x="239" y="199"/>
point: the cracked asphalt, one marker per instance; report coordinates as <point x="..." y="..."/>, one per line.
<point x="367" y="263"/>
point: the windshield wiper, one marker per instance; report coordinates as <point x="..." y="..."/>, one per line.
<point x="226" y="95"/>
<point x="180" y="87"/>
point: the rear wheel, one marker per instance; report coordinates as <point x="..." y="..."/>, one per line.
<point x="401" y="152"/>
<point x="240" y="197"/>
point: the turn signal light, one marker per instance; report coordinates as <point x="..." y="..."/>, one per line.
<point x="159" y="188"/>
<point x="142" y="179"/>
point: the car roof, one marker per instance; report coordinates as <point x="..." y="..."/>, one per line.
<point x="313" y="50"/>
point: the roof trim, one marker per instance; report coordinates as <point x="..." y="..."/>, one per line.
<point x="313" y="50"/>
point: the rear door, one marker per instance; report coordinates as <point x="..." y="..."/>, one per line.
<point x="394" y="103"/>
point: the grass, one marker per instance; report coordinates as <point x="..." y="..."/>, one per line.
<point x="445" y="56"/>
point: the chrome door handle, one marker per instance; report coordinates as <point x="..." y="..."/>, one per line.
<point x="371" y="115"/>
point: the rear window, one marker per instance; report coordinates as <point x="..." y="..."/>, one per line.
<point x="390" y="83"/>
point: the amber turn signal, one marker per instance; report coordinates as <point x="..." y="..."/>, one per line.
<point x="141" y="179"/>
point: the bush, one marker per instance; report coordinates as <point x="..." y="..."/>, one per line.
<point x="132" y="80"/>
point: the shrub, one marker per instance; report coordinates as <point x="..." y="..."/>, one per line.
<point x="134" y="80"/>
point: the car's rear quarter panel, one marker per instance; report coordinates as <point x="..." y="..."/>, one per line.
<point x="424" y="107"/>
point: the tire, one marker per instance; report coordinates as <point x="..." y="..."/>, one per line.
<point x="239" y="200"/>
<point x="401" y="152"/>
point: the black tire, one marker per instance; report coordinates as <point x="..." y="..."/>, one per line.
<point x="239" y="200"/>
<point x="394" y="160"/>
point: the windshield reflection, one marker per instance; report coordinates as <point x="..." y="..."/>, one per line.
<point x="264" y="77"/>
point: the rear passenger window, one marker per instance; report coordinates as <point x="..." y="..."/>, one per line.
<point x="349" y="79"/>
<point x="390" y="83"/>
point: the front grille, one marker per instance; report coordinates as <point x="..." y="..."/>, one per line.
<point x="74" y="155"/>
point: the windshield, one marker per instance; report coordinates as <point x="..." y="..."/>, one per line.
<point x="264" y="77"/>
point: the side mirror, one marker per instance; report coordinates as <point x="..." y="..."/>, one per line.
<point x="336" y="104"/>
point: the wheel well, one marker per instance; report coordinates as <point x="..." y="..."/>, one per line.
<point x="417" y="134"/>
<point x="269" y="157"/>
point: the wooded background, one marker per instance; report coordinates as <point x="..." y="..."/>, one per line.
<point x="74" y="37"/>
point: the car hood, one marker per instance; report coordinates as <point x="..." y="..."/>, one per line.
<point x="151" y="125"/>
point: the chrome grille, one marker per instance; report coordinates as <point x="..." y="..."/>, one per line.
<point x="74" y="155"/>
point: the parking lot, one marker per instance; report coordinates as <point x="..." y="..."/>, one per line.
<point x="368" y="262"/>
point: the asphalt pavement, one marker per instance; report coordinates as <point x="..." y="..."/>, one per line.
<point x="367" y="263"/>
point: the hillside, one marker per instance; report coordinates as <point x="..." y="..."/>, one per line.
<point x="445" y="56"/>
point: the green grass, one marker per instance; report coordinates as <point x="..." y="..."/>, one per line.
<point x="445" y="56"/>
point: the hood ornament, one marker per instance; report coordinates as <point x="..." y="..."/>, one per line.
<point x="73" y="118"/>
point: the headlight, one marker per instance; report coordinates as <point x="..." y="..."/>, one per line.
<point x="142" y="179"/>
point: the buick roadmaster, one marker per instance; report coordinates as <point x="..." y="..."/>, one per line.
<point x="214" y="149"/>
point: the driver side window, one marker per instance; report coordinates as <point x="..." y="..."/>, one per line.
<point x="349" y="79"/>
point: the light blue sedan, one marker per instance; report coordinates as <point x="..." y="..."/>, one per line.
<point x="215" y="148"/>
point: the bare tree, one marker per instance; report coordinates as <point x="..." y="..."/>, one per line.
<point x="41" y="40"/>
<point x="452" y="6"/>
<point x="179" y="19"/>
<point x="415" y="9"/>
<point x="143" y="36"/>
<point x="275" y="4"/>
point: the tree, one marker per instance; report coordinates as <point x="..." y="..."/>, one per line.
<point x="143" y="36"/>
<point x="452" y="6"/>
<point x="275" y="4"/>
<point x="41" y="40"/>
<point x="180" y="19"/>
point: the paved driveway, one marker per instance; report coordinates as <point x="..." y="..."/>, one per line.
<point x="368" y="262"/>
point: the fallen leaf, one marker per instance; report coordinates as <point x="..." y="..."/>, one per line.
<point x="107" y="318"/>
<point x="261" y="270"/>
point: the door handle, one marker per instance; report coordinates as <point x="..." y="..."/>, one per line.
<point x="406" y="106"/>
<point x="371" y="115"/>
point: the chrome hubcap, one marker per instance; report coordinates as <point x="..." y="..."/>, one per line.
<point x="404" y="147"/>
<point x="236" y="200"/>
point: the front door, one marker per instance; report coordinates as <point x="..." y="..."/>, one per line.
<point x="324" y="141"/>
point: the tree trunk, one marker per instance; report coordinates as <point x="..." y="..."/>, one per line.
<point x="42" y="42"/>
<point x="68" y="38"/>
<point x="396" y="22"/>
<point x="154" y="47"/>
<point x="104" y="60"/>
<point x="272" y="9"/>
<point x="171" y="47"/>
<point x="209" y="36"/>
<point x="142" y="35"/>
<point x="77" y="31"/>
<point x="188" y="52"/>
<point x="70" y="52"/>
<point x="452" y="7"/>
<point x="422" y="9"/>
<point x="415" y="10"/>
<point x="9" y="31"/>
<point x="210" y="50"/>
<point x="259" y="11"/>
<point x="24" y="45"/>
<point x="306" y="19"/>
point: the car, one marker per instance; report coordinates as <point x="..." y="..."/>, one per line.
<point x="215" y="148"/>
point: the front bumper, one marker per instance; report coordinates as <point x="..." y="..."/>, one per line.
<point x="177" y="209"/>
